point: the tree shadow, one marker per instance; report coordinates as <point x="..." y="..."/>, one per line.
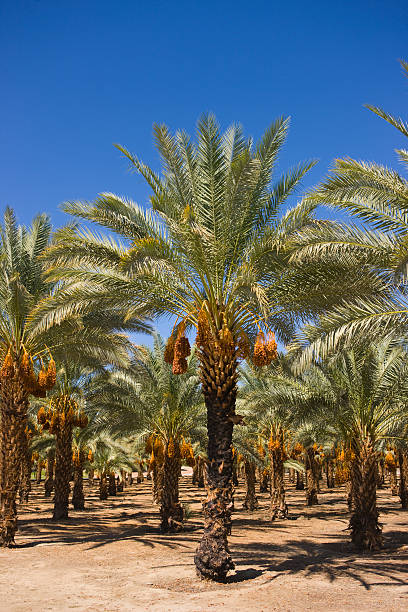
<point x="332" y="560"/>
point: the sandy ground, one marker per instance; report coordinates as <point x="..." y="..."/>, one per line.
<point x="111" y="557"/>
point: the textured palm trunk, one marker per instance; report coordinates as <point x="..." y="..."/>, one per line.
<point x="103" y="486"/>
<point x="91" y="475"/>
<point x="300" y="481"/>
<point x="250" y="501"/>
<point x="26" y="468"/>
<point x="200" y="473"/>
<point x="49" y="476"/>
<point x="63" y="470"/>
<point x="403" y="483"/>
<point x="112" y="484"/>
<point x="365" y="529"/>
<point x="39" y="472"/>
<point x="171" y="511"/>
<point x="330" y="473"/>
<point x="13" y="443"/>
<point x="123" y="479"/>
<point x="392" y="471"/>
<point x="140" y="475"/>
<point x="78" y="498"/>
<point x="264" y="479"/>
<point x="235" y="480"/>
<point x="380" y="473"/>
<point x="312" y="478"/>
<point x="291" y="476"/>
<point x="278" y="506"/>
<point x="218" y="377"/>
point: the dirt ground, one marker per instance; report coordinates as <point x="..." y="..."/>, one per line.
<point x="112" y="557"/>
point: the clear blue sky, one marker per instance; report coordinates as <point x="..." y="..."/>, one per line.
<point x="77" y="76"/>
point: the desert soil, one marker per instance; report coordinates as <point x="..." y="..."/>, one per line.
<point x="112" y="557"/>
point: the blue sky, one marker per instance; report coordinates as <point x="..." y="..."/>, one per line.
<point x="79" y="76"/>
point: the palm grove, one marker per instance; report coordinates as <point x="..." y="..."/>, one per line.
<point x="222" y="256"/>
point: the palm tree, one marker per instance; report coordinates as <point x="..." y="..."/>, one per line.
<point x="63" y="413"/>
<point x="212" y="252"/>
<point x="82" y="458"/>
<point x="361" y="393"/>
<point x="107" y="458"/>
<point x="22" y="353"/>
<point x="148" y="404"/>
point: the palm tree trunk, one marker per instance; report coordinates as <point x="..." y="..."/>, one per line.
<point x="212" y="558"/>
<point x="112" y="484"/>
<point x="264" y="479"/>
<point x="300" y="481"/>
<point x="200" y="473"/>
<point x="393" y="480"/>
<point x="13" y="442"/>
<point x="365" y="529"/>
<point x="91" y="475"/>
<point x="39" y="471"/>
<point x="278" y="508"/>
<point x="330" y="473"/>
<point x="403" y="484"/>
<point x="78" y="498"/>
<point x="103" y="486"/>
<point x="312" y="482"/>
<point x="157" y="481"/>
<point x="171" y="511"/>
<point x="235" y="481"/>
<point x="26" y="468"/>
<point x="63" y="469"/>
<point x="49" y="478"/>
<point x="250" y="501"/>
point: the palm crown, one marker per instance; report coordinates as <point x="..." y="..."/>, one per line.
<point x="212" y="242"/>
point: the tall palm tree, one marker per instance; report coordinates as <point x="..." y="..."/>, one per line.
<point x="23" y="353"/>
<point x="212" y="252"/>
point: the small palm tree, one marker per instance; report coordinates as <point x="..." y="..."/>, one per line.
<point x="108" y="457"/>
<point x="361" y="393"/>
<point x="212" y="252"/>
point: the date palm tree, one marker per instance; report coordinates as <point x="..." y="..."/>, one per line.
<point x="361" y="394"/>
<point x="212" y="252"/>
<point x="23" y="353"/>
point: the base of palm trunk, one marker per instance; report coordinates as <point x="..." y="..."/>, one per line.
<point x="48" y="487"/>
<point x="250" y="503"/>
<point x="60" y="511"/>
<point x="311" y="499"/>
<point x="213" y="559"/>
<point x="171" y="519"/>
<point x="366" y="533"/>
<point x="78" y="500"/>
<point x="279" y="513"/>
<point x="8" y="530"/>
